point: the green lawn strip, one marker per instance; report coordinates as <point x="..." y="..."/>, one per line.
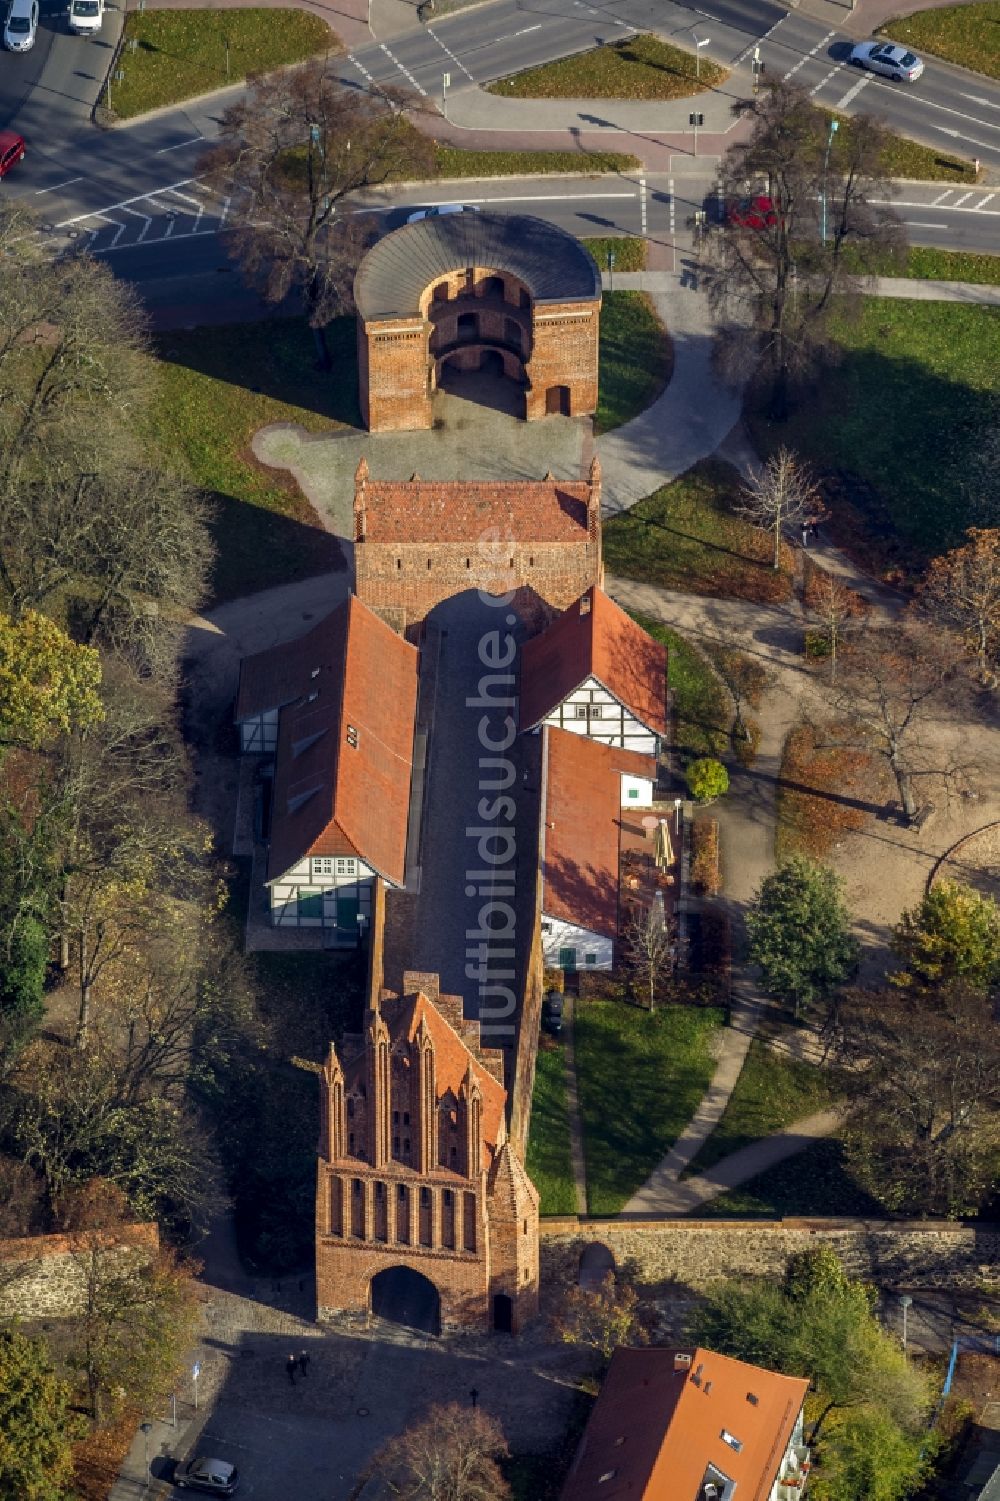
<point x="702" y="711"/>
<point x="636" y="358"/>
<point x="629" y="254"/>
<point x="667" y="1060"/>
<point x="817" y="1181"/>
<point x="922" y="263"/>
<point x="772" y="1092"/>
<point x="550" y="1165"/>
<point x="456" y="161"/>
<point x="688" y="536"/>
<point x="905" y="158"/>
<point x="217" y="387"/>
<point x="639" y="67"/>
<point x="965" y="34"/>
<point x="182" y="53"/>
<point x="931" y="370"/>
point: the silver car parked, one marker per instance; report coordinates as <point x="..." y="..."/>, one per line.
<point x="887" y="59"/>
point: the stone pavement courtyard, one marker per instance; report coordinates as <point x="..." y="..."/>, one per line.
<point x="476" y="436"/>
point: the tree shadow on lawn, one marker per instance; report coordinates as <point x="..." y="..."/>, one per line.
<point x="275" y="358"/>
<point x="258" y="548"/>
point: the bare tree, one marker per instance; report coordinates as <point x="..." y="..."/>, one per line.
<point x="924" y="1079"/>
<point x="778" y="495"/>
<point x="775" y="277"/>
<point x="600" y="1317"/>
<point x="836" y="609"/>
<point x="649" y="949"/>
<point x="962" y="590"/>
<point x="290" y="152"/>
<point x="450" y="1454"/>
<point x="894" y="682"/>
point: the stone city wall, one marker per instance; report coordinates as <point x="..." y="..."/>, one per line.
<point x="44" y="1275"/>
<point x="693" y="1253"/>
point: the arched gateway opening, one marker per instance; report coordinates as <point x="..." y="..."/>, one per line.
<point x="406" y="1297"/>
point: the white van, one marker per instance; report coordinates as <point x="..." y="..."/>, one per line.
<point x="85" y="16"/>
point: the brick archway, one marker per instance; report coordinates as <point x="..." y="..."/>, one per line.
<point x="406" y="1297"/>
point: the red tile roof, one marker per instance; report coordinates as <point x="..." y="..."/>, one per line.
<point x="581" y="834"/>
<point x="476" y="511"/>
<point x="270" y="679"/>
<point x="345" y="747"/>
<point x="594" y="638"/>
<point x="655" y="1430"/>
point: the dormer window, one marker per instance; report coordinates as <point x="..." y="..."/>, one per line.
<point x="585" y="605"/>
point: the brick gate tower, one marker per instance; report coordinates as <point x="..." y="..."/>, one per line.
<point x="420" y="1194"/>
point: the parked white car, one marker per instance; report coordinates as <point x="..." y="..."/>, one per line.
<point x="85" y="16"/>
<point x="21" y="25"/>
<point x="439" y="210"/>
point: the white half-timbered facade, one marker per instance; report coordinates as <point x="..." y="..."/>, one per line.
<point x="324" y="891"/>
<point x="592" y="710"/>
<point x="567" y="946"/>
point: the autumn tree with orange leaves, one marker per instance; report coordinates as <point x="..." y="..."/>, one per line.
<point x="962" y="590"/>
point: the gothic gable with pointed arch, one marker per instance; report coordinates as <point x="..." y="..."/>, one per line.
<point x="415" y="1168"/>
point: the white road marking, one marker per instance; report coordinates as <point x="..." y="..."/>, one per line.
<point x="642" y="204"/>
<point x="853" y="92"/>
<point x="194" y="234"/>
<point x="918" y="224"/>
<point x="957" y="135"/>
<point x="991" y="213"/>
<point x="942" y="196"/>
<point x="826" y="80"/>
<point x="185" y="182"/>
<point x="762" y="38"/>
<point x="673" y="206"/>
<point x="947" y="110"/>
<point x="456" y="60"/>
<point x="806" y="56"/>
<point x="58" y="187"/>
<point x="988" y="199"/>
<point x="144" y="231"/>
<point x="989" y="103"/>
<point x="506" y="35"/>
<point x="177" y="146"/>
<point x="404" y="70"/>
<point x="361" y="68"/>
<point x="120" y="228"/>
<point x="959" y="201"/>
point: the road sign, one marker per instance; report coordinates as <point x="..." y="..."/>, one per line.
<point x="196" y="1369"/>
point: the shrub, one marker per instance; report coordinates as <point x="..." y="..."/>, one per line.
<point x="707" y="779"/>
<point x="705" y="856"/>
<point x="747" y="744"/>
<point x="817" y="644"/>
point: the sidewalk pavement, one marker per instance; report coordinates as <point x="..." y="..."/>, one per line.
<point x="884" y="286"/>
<point x="473" y="108"/>
<point x="664" y="1196"/>
<point x="688" y="420"/>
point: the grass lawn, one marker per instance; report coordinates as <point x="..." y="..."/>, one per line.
<point x="667" y="1060"/>
<point x="640" y="67"/>
<point x="702" y="710"/>
<point x="931" y="370"/>
<point x="816" y="1182"/>
<point x="630" y="254"/>
<point x="687" y="536"/>
<point x="772" y="1092"/>
<point x="926" y="264"/>
<point x="550" y="1166"/>
<point x="182" y="53"/>
<point x="455" y="161"/>
<point x="636" y="358"/>
<point x="905" y="158"/>
<point x="965" y="34"/>
<point x="218" y="386"/>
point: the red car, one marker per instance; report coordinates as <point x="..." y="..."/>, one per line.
<point x="757" y="212"/>
<point x="11" y="150"/>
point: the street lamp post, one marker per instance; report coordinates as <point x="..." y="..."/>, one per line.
<point x="445" y="81"/>
<point x="905" y="1304"/>
<point x="678" y="804"/>
<point x="147" y="1429"/>
<point x="697" y="54"/>
<point x="611" y="270"/>
<point x="694" y="120"/>
<point x="834" y="127"/>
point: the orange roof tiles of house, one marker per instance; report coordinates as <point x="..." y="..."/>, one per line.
<point x="655" y="1430"/>
<point x="594" y="638"/>
<point x="270" y="679"/>
<point x="474" y="511"/>
<point x="582" y="827"/>
<point x="345" y="747"/>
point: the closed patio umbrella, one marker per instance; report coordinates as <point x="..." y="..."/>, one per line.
<point x="664" y="849"/>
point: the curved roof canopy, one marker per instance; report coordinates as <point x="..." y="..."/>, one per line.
<point x="553" y="265"/>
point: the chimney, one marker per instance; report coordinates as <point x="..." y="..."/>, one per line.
<point x="361" y="477"/>
<point x="682" y="1362"/>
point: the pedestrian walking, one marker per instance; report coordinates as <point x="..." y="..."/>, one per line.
<point x="304" y="1362"/>
<point x="805" y="534"/>
<point x="290" y="1365"/>
<point x="475" y="1397"/>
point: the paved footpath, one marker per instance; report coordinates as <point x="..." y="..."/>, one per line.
<point x="911" y="288"/>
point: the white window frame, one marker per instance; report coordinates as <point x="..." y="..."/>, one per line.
<point x="322" y="865"/>
<point x="346" y="865"/>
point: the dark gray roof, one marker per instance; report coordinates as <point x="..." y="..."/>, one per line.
<point x="553" y="265"/>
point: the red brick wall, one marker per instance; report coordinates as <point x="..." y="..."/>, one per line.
<point x="397" y="372"/>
